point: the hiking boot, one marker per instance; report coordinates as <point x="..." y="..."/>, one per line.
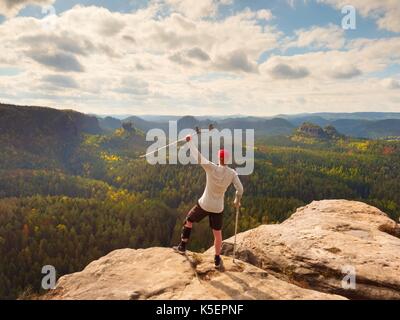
<point x="218" y="262"/>
<point x="181" y="248"/>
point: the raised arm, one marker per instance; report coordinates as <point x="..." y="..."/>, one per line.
<point x="196" y="154"/>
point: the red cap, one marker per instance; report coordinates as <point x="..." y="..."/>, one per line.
<point x="223" y="154"/>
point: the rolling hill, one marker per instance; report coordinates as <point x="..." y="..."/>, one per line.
<point x="45" y="138"/>
<point x="41" y="137"/>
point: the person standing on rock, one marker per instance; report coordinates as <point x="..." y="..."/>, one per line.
<point x="211" y="203"/>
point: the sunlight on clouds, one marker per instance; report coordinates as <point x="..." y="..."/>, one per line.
<point x="195" y="9"/>
<point x="187" y="59"/>
<point x="331" y="37"/>
<point x="10" y="8"/>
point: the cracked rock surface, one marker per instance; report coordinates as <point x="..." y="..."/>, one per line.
<point x="322" y="242"/>
<point x="305" y="257"/>
<point x="160" y="273"/>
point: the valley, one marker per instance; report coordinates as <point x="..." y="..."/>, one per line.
<point x="72" y="191"/>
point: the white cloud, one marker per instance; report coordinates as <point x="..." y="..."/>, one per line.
<point x="264" y="14"/>
<point x="156" y="61"/>
<point x="362" y="56"/>
<point x="194" y="9"/>
<point x="248" y="14"/>
<point x="10" y="8"/>
<point x="58" y="61"/>
<point x="60" y="81"/>
<point x="236" y="61"/>
<point x="344" y="71"/>
<point x="331" y="37"/>
<point x="278" y="69"/>
<point x="391" y="83"/>
<point x="132" y="86"/>
<point x="385" y="12"/>
<point x="198" y="54"/>
<point x="92" y="49"/>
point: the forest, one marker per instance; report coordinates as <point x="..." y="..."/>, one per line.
<point x="69" y="206"/>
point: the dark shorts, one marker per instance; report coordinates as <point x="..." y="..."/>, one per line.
<point x="196" y="214"/>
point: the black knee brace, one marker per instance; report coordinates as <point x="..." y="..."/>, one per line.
<point x="186" y="232"/>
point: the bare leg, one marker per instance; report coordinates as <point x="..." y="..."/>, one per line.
<point x="217" y="241"/>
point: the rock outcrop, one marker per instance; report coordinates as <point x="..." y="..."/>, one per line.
<point x="312" y="130"/>
<point x="306" y="257"/>
<point x="322" y="242"/>
<point x="160" y="273"/>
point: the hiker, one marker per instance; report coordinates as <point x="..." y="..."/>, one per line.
<point x="211" y="203"/>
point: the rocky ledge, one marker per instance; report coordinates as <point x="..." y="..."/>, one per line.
<point x="325" y="241"/>
<point x="315" y="254"/>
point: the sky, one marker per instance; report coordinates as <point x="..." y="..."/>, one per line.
<point x="208" y="57"/>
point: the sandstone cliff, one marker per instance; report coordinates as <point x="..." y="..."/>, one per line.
<point x="160" y="273"/>
<point x="302" y="258"/>
<point x="324" y="240"/>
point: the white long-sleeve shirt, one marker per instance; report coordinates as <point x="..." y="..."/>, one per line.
<point x="219" y="178"/>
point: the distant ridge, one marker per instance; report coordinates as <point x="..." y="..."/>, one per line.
<point x="370" y="125"/>
<point x="344" y="115"/>
<point x="327" y="116"/>
<point x="22" y="119"/>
